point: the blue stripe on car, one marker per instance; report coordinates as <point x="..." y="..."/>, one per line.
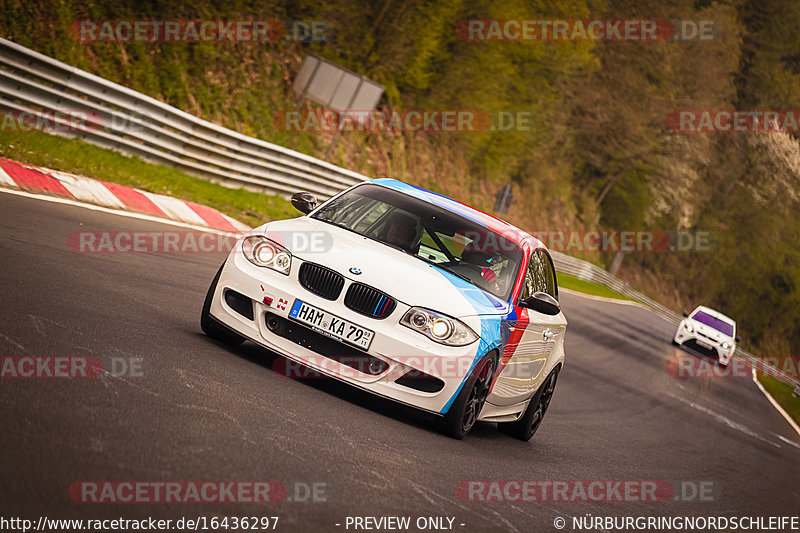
<point x="485" y="306"/>
<point x="490" y="339"/>
<point x="375" y="312"/>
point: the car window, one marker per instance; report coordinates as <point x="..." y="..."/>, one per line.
<point x="448" y="240"/>
<point x="351" y="213"/>
<point x="443" y="247"/>
<point x="548" y="273"/>
<point x="539" y="276"/>
<point x="719" y="325"/>
<point x="370" y="216"/>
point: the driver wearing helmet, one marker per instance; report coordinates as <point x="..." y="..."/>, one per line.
<point x="491" y="265"/>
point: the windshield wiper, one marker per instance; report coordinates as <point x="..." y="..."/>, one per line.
<point x="340" y="225"/>
<point x="337" y="224"/>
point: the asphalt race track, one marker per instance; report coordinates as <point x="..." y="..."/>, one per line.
<point x="200" y="411"/>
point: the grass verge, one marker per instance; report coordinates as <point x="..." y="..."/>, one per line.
<point x="587" y="287"/>
<point x="782" y="394"/>
<point x="78" y="157"/>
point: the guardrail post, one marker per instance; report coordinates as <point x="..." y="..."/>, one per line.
<point x="616" y="263"/>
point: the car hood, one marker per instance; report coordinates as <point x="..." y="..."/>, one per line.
<point x="400" y="275"/>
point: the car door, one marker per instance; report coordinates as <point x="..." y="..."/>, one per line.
<point x="533" y="336"/>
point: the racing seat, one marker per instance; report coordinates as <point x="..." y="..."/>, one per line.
<point x="406" y="225"/>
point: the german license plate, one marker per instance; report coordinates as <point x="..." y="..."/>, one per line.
<point x="331" y="325"/>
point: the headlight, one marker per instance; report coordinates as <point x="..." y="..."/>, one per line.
<point x="688" y="327"/>
<point x="441" y="328"/>
<point x="264" y="252"/>
<point x="726" y="345"/>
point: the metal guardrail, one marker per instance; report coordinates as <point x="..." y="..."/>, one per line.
<point x="589" y="272"/>
<point x="135" y="124"/>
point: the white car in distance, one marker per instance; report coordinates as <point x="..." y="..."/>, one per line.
<point x="708" y="332"/>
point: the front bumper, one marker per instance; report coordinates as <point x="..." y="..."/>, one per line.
<point x="401" y="348"/>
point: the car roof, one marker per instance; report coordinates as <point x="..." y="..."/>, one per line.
<point x="493" y="223"/>
<point x="714" y="313"/>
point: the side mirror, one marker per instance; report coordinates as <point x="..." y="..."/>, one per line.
<point x="738" y="338"/>
<point x="541" y="302"/>
<point x="304" y="202"/>
<point x="685" y="314"/>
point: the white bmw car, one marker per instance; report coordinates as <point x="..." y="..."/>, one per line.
<point x="708" y="331"/>
<point x="404" y="293"/>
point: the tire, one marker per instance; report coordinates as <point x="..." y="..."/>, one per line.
<point x="675" y="343"/>
<point x="524" y="428"/>
<point x="211" y="327"/>
<point x="463" y="414"/>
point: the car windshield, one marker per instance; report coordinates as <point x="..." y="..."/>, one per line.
<point x="719" y="325"/>
<point x="430" y="233"/>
